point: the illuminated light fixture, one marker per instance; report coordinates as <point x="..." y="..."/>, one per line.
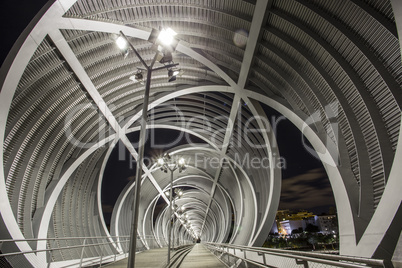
<point x="121" y="42"/>
<point x="166" y="36"/>
<point x="174" y="73"/>
<point x="164" y="39"/>
<point x="167" y="57"/>
<point x="138" y="77"/>
<point x="162" y="164"/>
<point x="179" y="191"/>
<point x="181" y="161"/>
<point x="182" y="165"/>
<point x="172" y="78"/>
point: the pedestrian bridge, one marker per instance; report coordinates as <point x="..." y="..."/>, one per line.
<point x="221" y="256"/>
<point x="186" y="254"/>
<point x="84" y="117"/>
<point x="199" y="256"/>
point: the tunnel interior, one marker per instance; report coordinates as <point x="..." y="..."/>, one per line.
<point x="72" y="102"/>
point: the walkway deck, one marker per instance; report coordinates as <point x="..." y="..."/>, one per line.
<point x="154" y="258"/>
<point x="201" y="257"/>
<point x="198" y="257"/>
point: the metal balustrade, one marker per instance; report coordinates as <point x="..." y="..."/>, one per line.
<point x="107" y="249"/>
<point x="91" y="251"/>
<point x="234" y="256"/>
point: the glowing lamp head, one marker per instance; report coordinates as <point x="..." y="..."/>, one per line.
<point x="181" y="162"/>
<point x="166" y="36"/>
<point x="121" y="42"/>
<point x="161" y="162"/>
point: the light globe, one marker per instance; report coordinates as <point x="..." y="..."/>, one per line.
<point x="166" y="36"/>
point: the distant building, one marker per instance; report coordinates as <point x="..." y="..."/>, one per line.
<point x="286" y="221"/>
<point x="327" y="224"/>
<point x="302" y="215"/>
<point x="288" y="226"/>
<point x="281" y="215"/>
<point x="274" y="228"/>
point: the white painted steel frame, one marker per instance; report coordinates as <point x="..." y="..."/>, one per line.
<point x="379" y="224"/>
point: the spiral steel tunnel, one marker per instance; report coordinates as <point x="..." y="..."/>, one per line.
<point x="333" y="68"/>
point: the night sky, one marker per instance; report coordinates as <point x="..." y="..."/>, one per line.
<point x="305" y="183"/>
<point x="14" y="18"/>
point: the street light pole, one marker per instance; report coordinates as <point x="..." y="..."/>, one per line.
<point x="179" y="193"/>
<point x="133" y="232"/>
<point x="167" y="163"/>
<point x="141" y="145"/>
<point x="140" y="159"/>
<point x="171" y="213"/>
<point x="173" y="223"/>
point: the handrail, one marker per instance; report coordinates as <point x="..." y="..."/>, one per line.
<point x="69" y="238"/>
<point x="326" y="256"/>
<point x="108" y="243"/>
<point x="337" y="260"/>
<point x="52" y="249"/>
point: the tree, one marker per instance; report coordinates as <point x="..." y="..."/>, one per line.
<point x="312" y="228"/>
<point x="297" y="231"/>
<point x="313" y="241"/>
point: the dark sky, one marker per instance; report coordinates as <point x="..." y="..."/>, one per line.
<point x="306" y="190"/>
<point x="304" y="185"/>
<point x="14" y="18"/>
<point x="305" y="182"/>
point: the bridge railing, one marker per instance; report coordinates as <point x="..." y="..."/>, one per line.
<point x="266" y="257"/>
<point x="72" y="251"/>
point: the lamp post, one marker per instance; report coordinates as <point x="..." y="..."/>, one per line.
<point x="166" y="44"/>
<point x="167" y="163"/>
<point x="179" y="193"/>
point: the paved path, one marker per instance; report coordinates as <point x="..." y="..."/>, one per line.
<point x="201" y="257"/>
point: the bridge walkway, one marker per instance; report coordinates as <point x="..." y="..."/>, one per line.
<point x="201" y="257"/>
<point x="157" y="258"/>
